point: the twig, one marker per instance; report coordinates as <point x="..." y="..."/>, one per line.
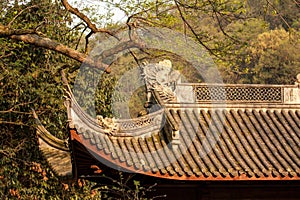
<point x="192" y="30"/>
<point x="297" y="3"/>
<point x="215" y="12"/>
<point x="14" y="123"/>
<point x="20" y="104"/>
<point x="80" y="37"/>
<point x="280" y="15"/>
<point x="15" y="17"/>
<point x="83" y="17"/>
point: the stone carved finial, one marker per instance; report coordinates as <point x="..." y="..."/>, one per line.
<point x="161" y="77"/>
<point x="160" y="73"/>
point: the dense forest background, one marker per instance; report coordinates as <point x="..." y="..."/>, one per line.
<point x="254" y="41"/>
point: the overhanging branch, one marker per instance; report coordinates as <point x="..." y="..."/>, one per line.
<point x="31" y="37"/>
<point x="50" y="44"/>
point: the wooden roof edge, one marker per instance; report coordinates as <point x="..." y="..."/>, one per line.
<point x="59" y="161"/>
<point x="131" y="169"/>
<point x="186" y="180"/>
<point x="55" y="151"/>
<point x="47" y="137"/>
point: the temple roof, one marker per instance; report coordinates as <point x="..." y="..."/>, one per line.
<point x="211" y="144"/>
<point x="200" y="132"/>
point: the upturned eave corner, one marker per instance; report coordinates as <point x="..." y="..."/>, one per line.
<point x="55" y="150"/>
<point x="69" y="98"/>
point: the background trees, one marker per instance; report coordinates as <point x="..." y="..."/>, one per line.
<point x="29" y="78"/>
<point x="251" y="42"/>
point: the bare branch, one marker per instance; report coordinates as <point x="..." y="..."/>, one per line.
<point x="297" y="3"/>
<point x="5" y="31"/>
<point x="86" y="48"/>
<point x="83" y="17"/>
<point x="121" y="47"/>
<point x="12" y="109"/>
<point x="29" y="37"/>
<point x="6" y="55"/>
<point x="135" y="15"/>
<point x="50" y="44"/>
<point x="80" y="37"/>
<point x="88" y="22"/>
<point x="14" y="123"/>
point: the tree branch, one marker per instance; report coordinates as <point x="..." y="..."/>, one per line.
<point x="50" y="44"/>
<point x="14" y="123"/>
<point x="5" y="31"/>
<point x="31" y="37"/>
<point x="83" y="17"/>
<point x="119" y="48"/>
<point x="297" y="3"/>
